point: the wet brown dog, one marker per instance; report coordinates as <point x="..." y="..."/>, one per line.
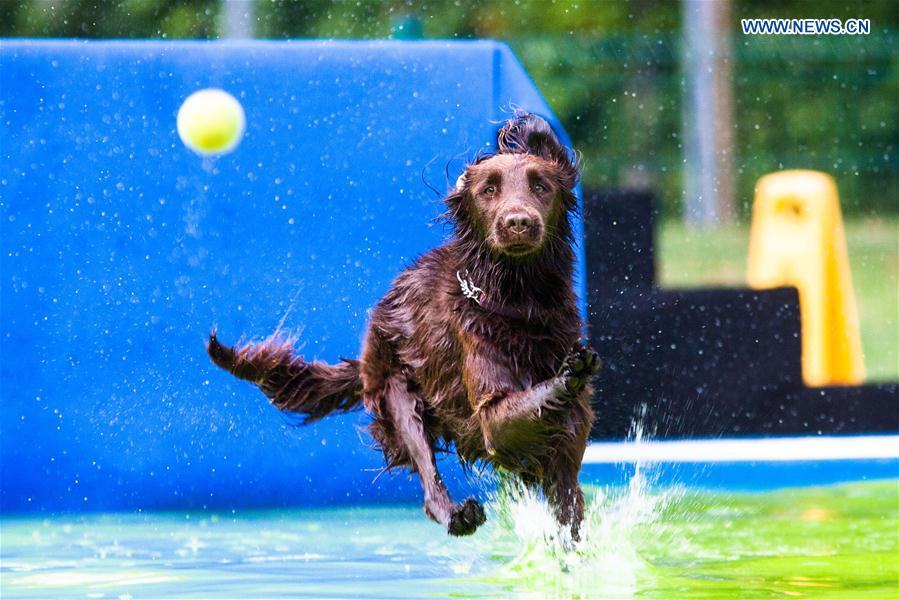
<point x="477" y="343"/>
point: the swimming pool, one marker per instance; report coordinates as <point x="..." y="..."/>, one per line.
<point x="681" y="528"/>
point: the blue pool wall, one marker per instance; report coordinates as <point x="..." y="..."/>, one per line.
<point x="121" y="248"/>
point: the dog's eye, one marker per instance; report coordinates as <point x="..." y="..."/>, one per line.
<point x="539" y="187"/>
<point x="490" y="190"/>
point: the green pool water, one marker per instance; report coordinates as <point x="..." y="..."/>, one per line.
<point x="838" y="541"/>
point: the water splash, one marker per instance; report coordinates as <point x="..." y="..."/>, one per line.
<point x="538" y="559"/>
<point x="279" y="330"/>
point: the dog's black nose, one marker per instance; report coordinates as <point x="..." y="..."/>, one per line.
<point x="518" y="223"/>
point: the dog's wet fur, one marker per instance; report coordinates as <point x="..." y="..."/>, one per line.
<point x="504" y="376"/>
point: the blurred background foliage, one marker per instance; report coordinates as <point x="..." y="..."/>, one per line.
<point x="612" y="72"/>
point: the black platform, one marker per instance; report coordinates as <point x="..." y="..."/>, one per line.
<point x="704" y="362"/>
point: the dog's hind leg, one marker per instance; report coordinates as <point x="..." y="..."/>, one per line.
<point x="400" y="424"/>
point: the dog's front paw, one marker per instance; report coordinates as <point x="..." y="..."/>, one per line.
<point x="466" y="518"/>
<point x="579" y="367"/>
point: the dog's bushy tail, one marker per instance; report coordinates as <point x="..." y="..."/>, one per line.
<point x="312" y="389"/>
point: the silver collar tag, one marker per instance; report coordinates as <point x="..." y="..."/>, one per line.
<point x="469" y="289"/>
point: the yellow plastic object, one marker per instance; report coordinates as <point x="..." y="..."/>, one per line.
<point x="797" y="239"/>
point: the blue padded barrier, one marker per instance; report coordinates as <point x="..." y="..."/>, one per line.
<point x="120" y="248"/>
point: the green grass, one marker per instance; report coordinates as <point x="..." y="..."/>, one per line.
<point x="693" y="258"/>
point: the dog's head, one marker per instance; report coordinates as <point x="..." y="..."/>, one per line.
<point x="520" y="197"/>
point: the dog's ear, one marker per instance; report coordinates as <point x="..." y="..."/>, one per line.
<point x="456" y="214"/>
<point x="531" y="134"/>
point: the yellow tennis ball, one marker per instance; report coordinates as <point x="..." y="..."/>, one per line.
<point x="211" y="121"/>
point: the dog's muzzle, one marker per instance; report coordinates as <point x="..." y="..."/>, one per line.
<point x="519" y="232"/>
